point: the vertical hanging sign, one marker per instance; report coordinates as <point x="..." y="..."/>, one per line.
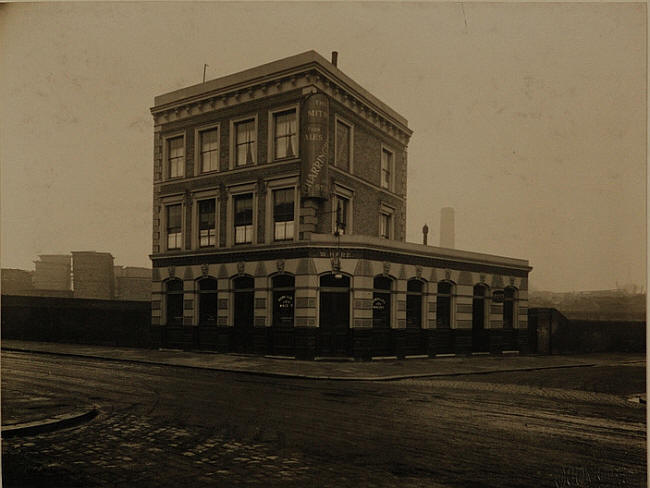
<point x="315" y="146"/>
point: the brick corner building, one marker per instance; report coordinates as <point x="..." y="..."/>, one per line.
<point x="279" y="226"/>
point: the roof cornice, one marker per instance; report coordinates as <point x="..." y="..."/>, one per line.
<point x="306" y="71"/>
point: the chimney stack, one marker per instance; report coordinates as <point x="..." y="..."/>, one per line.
<point x="425" y="231"/>
<point x="335" y="58"/>
<point x="447" y="228"/>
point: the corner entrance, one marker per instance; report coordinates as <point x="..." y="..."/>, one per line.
<point x="334" y="316"/>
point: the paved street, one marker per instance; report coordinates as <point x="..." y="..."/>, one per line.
<point x="163" y="425"/>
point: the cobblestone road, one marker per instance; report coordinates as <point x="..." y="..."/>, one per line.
<point x="161" y="426"/>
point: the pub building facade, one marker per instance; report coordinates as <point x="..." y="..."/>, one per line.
<point x="279" y="220"/>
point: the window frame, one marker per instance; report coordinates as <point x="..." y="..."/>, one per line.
<point x="196" y="198"/>
<point x="515" y="308"/>
<point x="271" y="133"/>
<point x="202" y="293"/>
<point x="166" y="162"/>
<point x="452" y="304"/>
<point x="269" y="223"/>
<point x="198" y="169"/>
<point x="391" y="169"/>
<point x="338" y="119"/>
<point x="166" y="294"/>
<point x="347" y="194"/>
<point x="234" y="191"/>
<point x="422" y="294"/>
<point x="165" y="203"/>
<point x="387" y="210"/>
<point x="233" y="141"/>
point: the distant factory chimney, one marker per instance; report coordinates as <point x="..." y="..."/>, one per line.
<point x="425" y="231"/>
<point x="335" y="58"/>
<point x="447" y="225"/>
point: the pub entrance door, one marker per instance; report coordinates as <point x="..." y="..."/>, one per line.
<point x="334" y="316"/>
<point x="244" y="307"/>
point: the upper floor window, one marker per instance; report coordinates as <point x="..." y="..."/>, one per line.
<point x="386" y="169"/>
<point x="243" y="207"/>
<point x="207" y="223"/>
<point x="343" y="155"/>
<point x="341" y="215"/>
<point x="385" y="224"/>
<point x="245" y="142"/>
<point x="283" y="214"/>
<point x="285" y="134"/>
<point x="209" y="147"/>
<point x="175" y="157"/>
<point x="174" y="226"/>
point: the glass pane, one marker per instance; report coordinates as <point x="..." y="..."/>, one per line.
<point x="479" y="291"/>
<point x="243" y="210"/>
<point x="175" y="285"/>
<point x="173" y="217"/>
<point x="414" y="286"/>
<point x="283" y="281"/>
<point x="382" y="283"/>
<point x="208" y="284"/>
<point x="443" y="311"/>
<point x="243" y="283"/>
<point x="444" y="287"/>
<point x="283" y="205"/>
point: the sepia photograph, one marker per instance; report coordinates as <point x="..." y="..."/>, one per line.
<point x="323" y="244"/>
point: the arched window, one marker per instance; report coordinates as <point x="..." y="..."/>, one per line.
<point x="479" y="318"/>
<point x="509" y="307"/>
<point x="244" y="291"/>
<point x="174" y="301"/>
<point x="414" y="289"/>
<point x="208" y="301"/>
<point x="444" y="305"/>
<point x="479" y="306"/>
<point x="283" y="300"/>
<point x="381" y="302"/>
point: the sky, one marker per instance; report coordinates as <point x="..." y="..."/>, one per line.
<point x="528" y="119"/>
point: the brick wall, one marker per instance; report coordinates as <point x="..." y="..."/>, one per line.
<point x="367" y="166"/>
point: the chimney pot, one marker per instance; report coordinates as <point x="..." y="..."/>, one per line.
<point x="335" y="58"/>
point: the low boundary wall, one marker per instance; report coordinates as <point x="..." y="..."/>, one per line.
<point x="550" y="332"/>
<point x="76" y="320"/>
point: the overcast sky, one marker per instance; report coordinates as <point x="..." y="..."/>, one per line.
<point x="528" y="119"/>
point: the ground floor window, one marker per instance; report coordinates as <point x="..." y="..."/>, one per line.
<point x="509" y="308"/>
<point x="244" y="291"/>
<point x="444" y="304"/>
<point x="414" y="289"/>
<point x="208" y="301"/>
<point x="283" y="300"/>
<point x="381" y="303"/>
<point x="174" y="302"/>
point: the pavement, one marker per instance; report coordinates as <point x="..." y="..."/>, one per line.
<point x="23" y="414"/>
